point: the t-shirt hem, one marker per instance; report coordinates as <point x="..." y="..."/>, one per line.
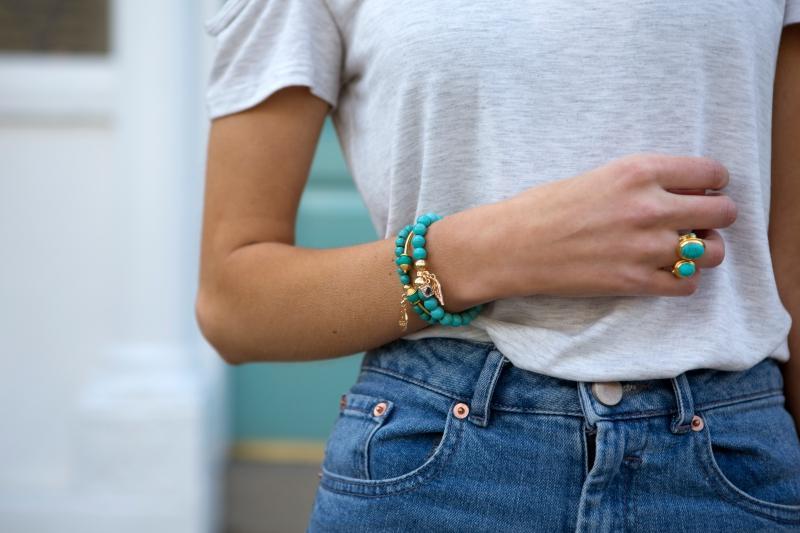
<point x="234" y="99"/>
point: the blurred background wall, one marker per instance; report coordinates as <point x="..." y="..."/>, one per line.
<point x="116" y="415"/>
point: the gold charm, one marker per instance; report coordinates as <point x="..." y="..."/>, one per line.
<point x="433" y="285"/>
<point x="403" y="322"/>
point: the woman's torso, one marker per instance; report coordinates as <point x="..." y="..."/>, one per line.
<point x="447" y="105"/>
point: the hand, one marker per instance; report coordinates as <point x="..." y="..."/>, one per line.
<point x="610" y="231"/>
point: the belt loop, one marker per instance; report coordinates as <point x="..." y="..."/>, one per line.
<point x="590" y="417"/>
<point x="484" y="387"/>
<point x="681" y="422"/>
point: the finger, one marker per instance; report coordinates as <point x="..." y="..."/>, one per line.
<point x="665" y="283"/>
<point x="700" y="211"/>
<point x="663" y="251"/>
<point x="687" y="172"/>
<point x="715" y="248"/>
<point x="687" y="191"/>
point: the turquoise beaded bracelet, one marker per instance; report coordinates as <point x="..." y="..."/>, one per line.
<point x="425" y="296"/>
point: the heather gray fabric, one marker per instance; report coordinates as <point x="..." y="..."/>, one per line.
<point x="441" y="106"/>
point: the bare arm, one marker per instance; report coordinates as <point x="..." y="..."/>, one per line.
<point x="784" y="226"/>
<point x="263" y="298"/>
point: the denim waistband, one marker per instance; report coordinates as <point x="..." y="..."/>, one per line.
<point x="478" y="374"/>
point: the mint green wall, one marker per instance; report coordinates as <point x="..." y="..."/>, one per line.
<point x="301" y="400"/>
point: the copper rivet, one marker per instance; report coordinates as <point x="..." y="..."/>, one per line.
<point x="379" y="409"/>
<point x="697" y="423"/>
<point x="461" y="410"/>
<point x="342" y="401"/>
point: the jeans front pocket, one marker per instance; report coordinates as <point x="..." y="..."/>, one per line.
<point x="751" y="455"/>
<point x="389" y="438"/>
<point x="346" y="449"/>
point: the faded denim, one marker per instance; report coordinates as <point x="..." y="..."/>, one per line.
<point x="539" y="453"/>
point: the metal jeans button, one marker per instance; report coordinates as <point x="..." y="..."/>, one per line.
<point x="607" y="392"/>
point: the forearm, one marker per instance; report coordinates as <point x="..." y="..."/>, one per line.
<point x="273" y="301"/>
<point x="784" y="226"/>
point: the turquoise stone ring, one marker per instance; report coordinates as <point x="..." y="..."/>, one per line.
<point x="684" y="268"/>
<point x="690" y="246"/>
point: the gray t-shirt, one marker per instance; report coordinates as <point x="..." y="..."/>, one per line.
<point x="442" y="106"/>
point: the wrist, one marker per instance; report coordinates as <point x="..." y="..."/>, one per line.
<point x="460" y="258"/>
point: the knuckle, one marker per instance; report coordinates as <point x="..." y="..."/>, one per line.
<point x="634" y="280"/>
<point x="637" y="169"/>
<point x="644" y="212"/>
<point x="657" y="247"/>
<point x="653" y="284"/>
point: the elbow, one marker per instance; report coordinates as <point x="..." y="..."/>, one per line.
<point x="213" y="330"/>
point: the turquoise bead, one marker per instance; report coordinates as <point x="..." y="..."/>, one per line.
<point x="457" y="319"/>
<point x="403" y="259"/>
<point x="398" y="251"/>
<point x="430" y="303"/>
<point x="437" y="313"/>
<point x="425" y="219"/>
<point x="418" y="241"/>
<point x="413" y="297"/>
<point x="399" y="241"/>
<point x="447" y="319"/>
<point x="402" y="234"/>
<point x="405" y="279"/>
<point x="686" y="269"/>
<point x="692" y="250"/>
<point x="400" y="271"/>
<point x="416" y="309"/>
<point x="420" y="229"/>
<point x="419" y="253"/>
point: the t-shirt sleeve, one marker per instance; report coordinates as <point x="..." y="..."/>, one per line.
<point x="792" y="13"/>
<point x="265" y="45"/>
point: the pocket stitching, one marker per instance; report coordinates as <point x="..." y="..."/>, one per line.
<point x="360" y="406"/>
<point x="735" y="495"/>
<point x="425" y="472"/>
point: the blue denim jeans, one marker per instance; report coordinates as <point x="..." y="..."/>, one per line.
<point x="441" y="434"/>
